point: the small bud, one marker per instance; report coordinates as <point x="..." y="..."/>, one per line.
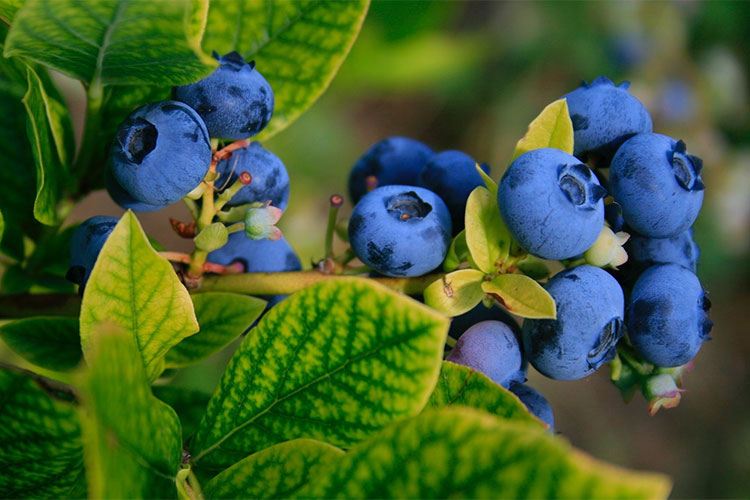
<point x="260" y="222"/>
<point x="607" y="250"/>
<point x="661" y="392"/>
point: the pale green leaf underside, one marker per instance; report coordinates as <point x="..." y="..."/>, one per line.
<point x="551" y="129"/>
<point x="486" y="235"/>
<point x="112" y="41"/>
<point x="135" y="288"/>
<point x="276" y="472"/>
<point x="41" y="454"/>
<point x="464" y="453"/>
<point x="133" y="444"/>
<point x="489" y="183"/>
<point x="49" y="342"/>
<point x="335" y="362"/>
<point x="222" y="318"/>
<point x="455" y="293"/>
<point x="298" y="46"/>
<point x="460" y="385"/>
<point x="522" y="296"/>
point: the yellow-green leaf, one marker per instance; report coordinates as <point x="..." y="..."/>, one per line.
<point x="521" y="295"/>
<point x="551" y="129"/>
<point x="108" y="42"/>
<point x="132" y="441"/>
<point x="41" y="455"/>
<point x="49" y="342"/>
<point x="464" y="453"/>
<point x="222" y="318"/>
<point x="486" y="235"/>
<point x="298" y="46"/>
<point x="460" y="385"/>
<point x="489" y="183"/>
<point x="276" y="472"/>
<point x="458" y="253"/>
<point x="456" y="292"/>
<point x="336" y="361"/>
<point x="137" y="289"/>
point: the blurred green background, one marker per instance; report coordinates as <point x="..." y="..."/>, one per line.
<point x="471" y="76"/>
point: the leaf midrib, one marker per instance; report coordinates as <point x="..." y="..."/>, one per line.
<point x="97" y="76"/>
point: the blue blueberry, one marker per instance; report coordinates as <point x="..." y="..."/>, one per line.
<point x="258" y="256"/>
<point x="395" y="160"/>
<point x="461" y="323"/>
<point x="161" y="152"/>
<point x="551" y="203"/>
<point x="270" y="178"/>
<point x="681" y="249"/>
<point x="121" y="197"/>
<point x="590" y="311"/>
<point x="535" y="403"/>
<point x="658" y="184"/>
<point x="492" y="348"/>
<point x="400" y="230"/>
<point x="86" y="243"/>
<point x="452" y="175"/>
<point x="667" y="315"/>
<point x="235" y="100"/>
<point x="604" y="116"/>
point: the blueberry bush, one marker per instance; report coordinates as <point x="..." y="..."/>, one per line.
<point x="393" y="368"/>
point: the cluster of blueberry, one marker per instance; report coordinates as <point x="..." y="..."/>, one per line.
<point x="410" y="201"/>
<point x="163" y="151"/>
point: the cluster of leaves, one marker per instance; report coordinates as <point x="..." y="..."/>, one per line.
<point x="339" y="390"/>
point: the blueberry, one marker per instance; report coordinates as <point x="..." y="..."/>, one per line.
<point x="667" y="321"/>
<point x="400" y="230"/>
<point x="85" y="245"/>
<point x="590" y="311"/>
<point x="235" y="100"/>
<point x="258" y="256"/>
<point x="535" y="403"/>
<point x="161" y="152"/>
<point x="658" y="184"/>
<point x="270" y="180"/>
<point x="492" y="348"/>
<point x="453" y="176"/>
<point x="613" y="216"/>
<point x="461" y="323"/>
<point x="551" y="203"/>
<point x="681" y="249"/>
<point x="395" y="160"/>
<point x="121" y="197"/>
<point x="604" y="116"/>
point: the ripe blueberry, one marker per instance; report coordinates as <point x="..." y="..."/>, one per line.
<point x="235" y="100"/>
<point x="122" y="198"/>
<point x="400" y="230"/>
<point x="590" y="311"/>
<point x="270" y="180"/>
<point x="681" y="249"/>
<point x="395" y="160"/>
<point x="551" y="203"/>
<point x="667" y="321"/>
<point x="658" y="184"/>
<point x="161" y="152"/>
<point x="452" y="175"/>
<point x="461" y="323"/>
<point x="85" y="245"/>
<point x="492" y="348"/>
<point x="604" y="116"/>
<point x="535" y="403"/>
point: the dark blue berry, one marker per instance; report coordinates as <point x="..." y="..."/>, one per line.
<point x="85" y="245"/>
<point x="535" y="403"/>
<point x="270" y="180"/>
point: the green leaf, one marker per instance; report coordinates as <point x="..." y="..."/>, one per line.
<point x="135" y="288"/>
<point x="132" y="442"/>
<point x="461" y="385"/>
<point x="2" y="225"/>
<point x="8" y="9"/>
<point x="222" y="318"/>
<point x="464" y="453"/>
<point x="458" y="253"/>
<point x="298" y="46"/>
<point x="40" y="442"/>
<point x="106" y="42"/>
<point x="58" y="119"/>
<point x="551" y="129"/>
<point x="455" y="293"/>
<point x="50" y="173"/>
<point x="276" y="472"/>
<point x="49" y="342"/>
<point x="211" y="237"/>
<point x="189" y="404"/>
<point x="486" y="235"/>
<point x="533" y="267"/>
<point x="490" y="184"/>
<point x="521" y="295"/>
<point x="336" y="361"/>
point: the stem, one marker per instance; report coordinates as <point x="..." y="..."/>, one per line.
<point x="333" y="213"/>
<point x="631" y="360"/>
<point x="236" y="227"/>
<point x="176" y="257"/>
<point x="193" y="207"/>
<point x="195" y="485"/>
